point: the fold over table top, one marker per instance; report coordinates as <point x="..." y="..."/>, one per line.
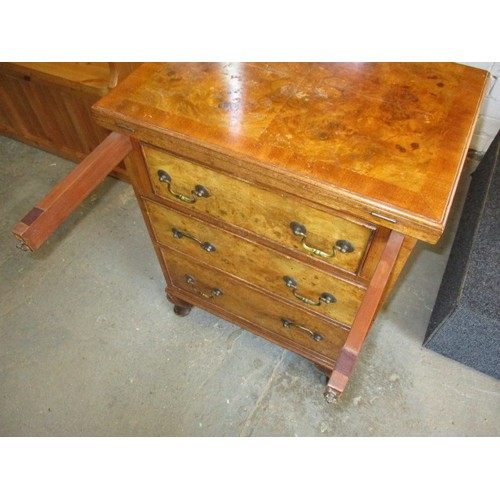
<point x="390" y="136"/>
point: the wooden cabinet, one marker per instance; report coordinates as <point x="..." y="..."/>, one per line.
<point x="287" y="197"/>
<point x="48" y="104"/>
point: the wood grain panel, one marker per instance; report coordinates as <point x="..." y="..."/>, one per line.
<point x="389" y="136"/>
<point x="251" y="305"/>
<point x="257" y="264"/>
<point x="259" y="210"/>
<point x="48" y="105"/>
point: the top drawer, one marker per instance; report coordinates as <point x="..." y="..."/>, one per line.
<point x="275" y="216"/>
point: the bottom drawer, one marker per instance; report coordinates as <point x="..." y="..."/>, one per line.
<point x="225" y="296"/>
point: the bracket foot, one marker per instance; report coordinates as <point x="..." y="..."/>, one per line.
<point x="181" y="308"/>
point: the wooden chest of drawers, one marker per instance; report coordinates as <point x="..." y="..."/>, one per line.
<point x="286" y="198"/>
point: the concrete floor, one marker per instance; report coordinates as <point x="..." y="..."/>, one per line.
<point x="91" y="347"/>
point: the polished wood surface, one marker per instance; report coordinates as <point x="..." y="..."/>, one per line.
<point x="248" y="304"/>
<point x="257" y="264"/>
<point x="369" y="153"/>
<point x="232" y="154"/>
<point x="382" y="138"/>
<point x="86" y="77"/>
<point x="43" y="219"/>
<point x="262" y="211"/>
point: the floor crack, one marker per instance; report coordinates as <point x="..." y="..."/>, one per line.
<point x="249" y="421"/>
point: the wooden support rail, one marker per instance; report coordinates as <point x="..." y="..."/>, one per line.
<point x="42" y="220"/>
<point x="352" y="347"/>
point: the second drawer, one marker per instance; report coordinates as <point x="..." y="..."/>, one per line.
<point x="273" y="272"/>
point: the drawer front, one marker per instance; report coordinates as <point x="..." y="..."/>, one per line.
<point x="261" y="266"/>
<point x="340" y="242"/>
<point x="217" y="290"/>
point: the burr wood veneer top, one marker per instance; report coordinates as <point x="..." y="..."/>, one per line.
<point x="389" y="138"/>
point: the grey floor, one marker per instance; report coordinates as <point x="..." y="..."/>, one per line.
<point x="89" y="346"/>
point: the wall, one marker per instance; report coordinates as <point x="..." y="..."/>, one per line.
<point x="488" y="124"/>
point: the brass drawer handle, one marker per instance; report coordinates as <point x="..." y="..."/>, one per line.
<point x="343" y="246"/>
<point x="325" y="297"/>
<point x="289" y="324"/>
<point x="215" y="292"/>
<point x="197" y="192"/>
<point x="208" y="247"/>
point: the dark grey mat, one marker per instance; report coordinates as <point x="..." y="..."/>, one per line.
<point x="465" y="322"/>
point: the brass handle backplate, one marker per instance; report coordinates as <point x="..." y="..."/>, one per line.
<point x="289" y="324"/>
<point x="197" y="192"/>
<point x="215" y="292"/>
<point x="342" y="246"/>
<point x="326" y="298"/>
<point x="208" y="247"/>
